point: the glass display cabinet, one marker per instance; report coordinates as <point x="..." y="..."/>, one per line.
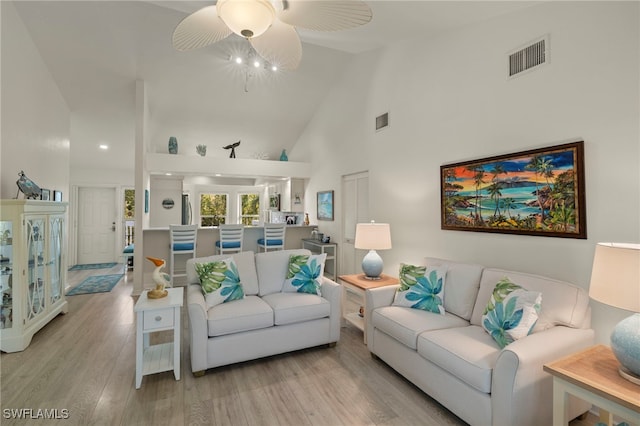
<point x="32" y="269"/>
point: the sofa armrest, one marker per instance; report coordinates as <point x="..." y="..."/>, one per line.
<point x="377" y="298"/>
<point x="332" y="292"/>
<point x="198" y="329"/>
<point x="520" y="386"/>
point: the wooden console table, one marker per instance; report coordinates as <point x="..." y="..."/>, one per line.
<point x="592" y="375"/>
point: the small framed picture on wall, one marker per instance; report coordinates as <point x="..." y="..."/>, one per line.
<point x="325" y="205"/>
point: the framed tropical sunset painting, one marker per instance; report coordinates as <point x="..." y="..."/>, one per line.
<point x="536" y="192"/>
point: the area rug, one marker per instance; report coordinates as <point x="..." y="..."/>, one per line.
<point x="92" y="266"/>
<point x="96" y="284"/>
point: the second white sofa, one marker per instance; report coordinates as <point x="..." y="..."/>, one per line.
<point x="454" y="360"/>
<point x="267" y="321"/>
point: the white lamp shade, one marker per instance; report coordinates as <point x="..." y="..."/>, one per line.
<point x="373" y="236"/>
<point x="615" y="278"/>
<point x="247" y="18"/>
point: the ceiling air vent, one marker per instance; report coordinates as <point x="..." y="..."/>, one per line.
<point x="531" y="56"/>
<point x="382" y="121"/>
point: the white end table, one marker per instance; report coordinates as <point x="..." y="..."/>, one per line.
<point x="155" y="315"/>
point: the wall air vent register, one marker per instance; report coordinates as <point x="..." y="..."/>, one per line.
<point x="529" y="57"/>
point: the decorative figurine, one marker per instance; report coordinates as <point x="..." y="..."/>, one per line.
<point x="201" y="150"/>
<point x="160" y="278"/>
<point x="283" y="156"/>
<point x="232" y="147"/>
<point x="306" y="219"/>
<point x="28" y="187"/>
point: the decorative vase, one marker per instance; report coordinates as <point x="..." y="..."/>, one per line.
<point x="283" y="156"/>
<point x="202" y="150"/>
<point x="173" y="145"/>
<point x="306" y="219"/>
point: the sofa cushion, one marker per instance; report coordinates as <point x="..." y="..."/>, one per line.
<point x="220" y="281"/>
<point x="405" y="324"/>
<point x="246" y="269"/>
<point x="467" y="353"/>
<point x="463" y="281"/>
<point x="304" y="274"/>
<point x="563" y="303"/>
<point x="421" y="287"/>
<point x="250" y="313"/>
<point x="290" y="308"/>
<point x="272" y="269"/>
<point x="511" y="312"/>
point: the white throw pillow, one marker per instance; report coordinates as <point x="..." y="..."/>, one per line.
<point x="421" y="287"/>
<point x="304" y="274"/>
<point x="511" y="313"/>
<point x="220" y="281"/>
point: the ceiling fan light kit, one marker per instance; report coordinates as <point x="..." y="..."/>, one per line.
<point x="247" y="18"/>
<point x="270" y="27"/>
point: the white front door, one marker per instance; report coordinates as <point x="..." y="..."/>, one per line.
<point x="355" y="192"/>
<point x="96" y="225"/>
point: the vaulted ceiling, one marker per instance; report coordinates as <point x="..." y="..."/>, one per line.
<point x="96" y="50"/>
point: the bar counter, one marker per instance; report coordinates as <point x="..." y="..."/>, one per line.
<point x="156" y="243"/>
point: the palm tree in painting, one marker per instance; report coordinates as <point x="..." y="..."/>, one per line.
<point x="541" y="167"/>
<point x="478" y="176"/>
<point x="495" y="193"/>
<point x="496" y="187"/>
<point x="509" y="203"/>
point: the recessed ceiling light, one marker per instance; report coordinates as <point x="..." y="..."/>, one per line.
<point x="168" y="174"/>
<point x="103" y="146"/>
<point x="218" y="174"/>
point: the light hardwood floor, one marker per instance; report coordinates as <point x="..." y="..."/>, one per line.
<point x="84" y="362"/>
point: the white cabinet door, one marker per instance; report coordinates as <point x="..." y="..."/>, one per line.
<point x="355" y="190"/>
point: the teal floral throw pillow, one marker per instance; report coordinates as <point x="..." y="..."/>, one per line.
<point x="511" y="313"/>
<point x="220" y="281"/>
<point x="421" y="288"/>
<point x="304" y="274"/>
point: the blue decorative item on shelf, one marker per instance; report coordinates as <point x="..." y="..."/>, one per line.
<point x="173" y="145"/>
<point x="283" y="156"/>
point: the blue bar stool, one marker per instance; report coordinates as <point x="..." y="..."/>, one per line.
<point x="273" y="237"/>
<point x="183" y="241"/>
<point x="230" y="239"/>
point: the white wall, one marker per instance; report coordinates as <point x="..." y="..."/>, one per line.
<point x="449" y="101"/>
<point x="35" y="117"/>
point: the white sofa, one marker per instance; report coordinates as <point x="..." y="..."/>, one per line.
<point x="267" y="321"/>
<point x="455" y="361"/>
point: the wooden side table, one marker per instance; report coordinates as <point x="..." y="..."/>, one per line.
<point x="592" y="375"/>
<point x="155" y="315"/>
<point x="357" y="284"/>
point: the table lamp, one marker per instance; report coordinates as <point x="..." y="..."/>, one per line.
<point x="373" y="236"/>
<point x="615" y="281"/>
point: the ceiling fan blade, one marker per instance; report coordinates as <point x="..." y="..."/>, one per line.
<point x="326" y="15"/>
<point x="279" y="45"/>
<point x="200" y="29"/>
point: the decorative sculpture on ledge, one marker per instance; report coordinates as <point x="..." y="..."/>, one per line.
<point x="161" y="279"/>
<point x="232" y="147"/>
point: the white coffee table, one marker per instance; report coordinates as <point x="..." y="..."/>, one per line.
<point x="155" y="315"/>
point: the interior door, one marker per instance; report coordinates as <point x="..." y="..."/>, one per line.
<point x="96" y="225"/>
<point x="355" y="190"/>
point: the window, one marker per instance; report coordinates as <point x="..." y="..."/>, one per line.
<point x="249" y="208"/>
<point x="129" y="216"/>
<point x="213" y="209"/>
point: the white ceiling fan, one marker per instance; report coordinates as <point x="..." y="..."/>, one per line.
<point x="269" y="25"/>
